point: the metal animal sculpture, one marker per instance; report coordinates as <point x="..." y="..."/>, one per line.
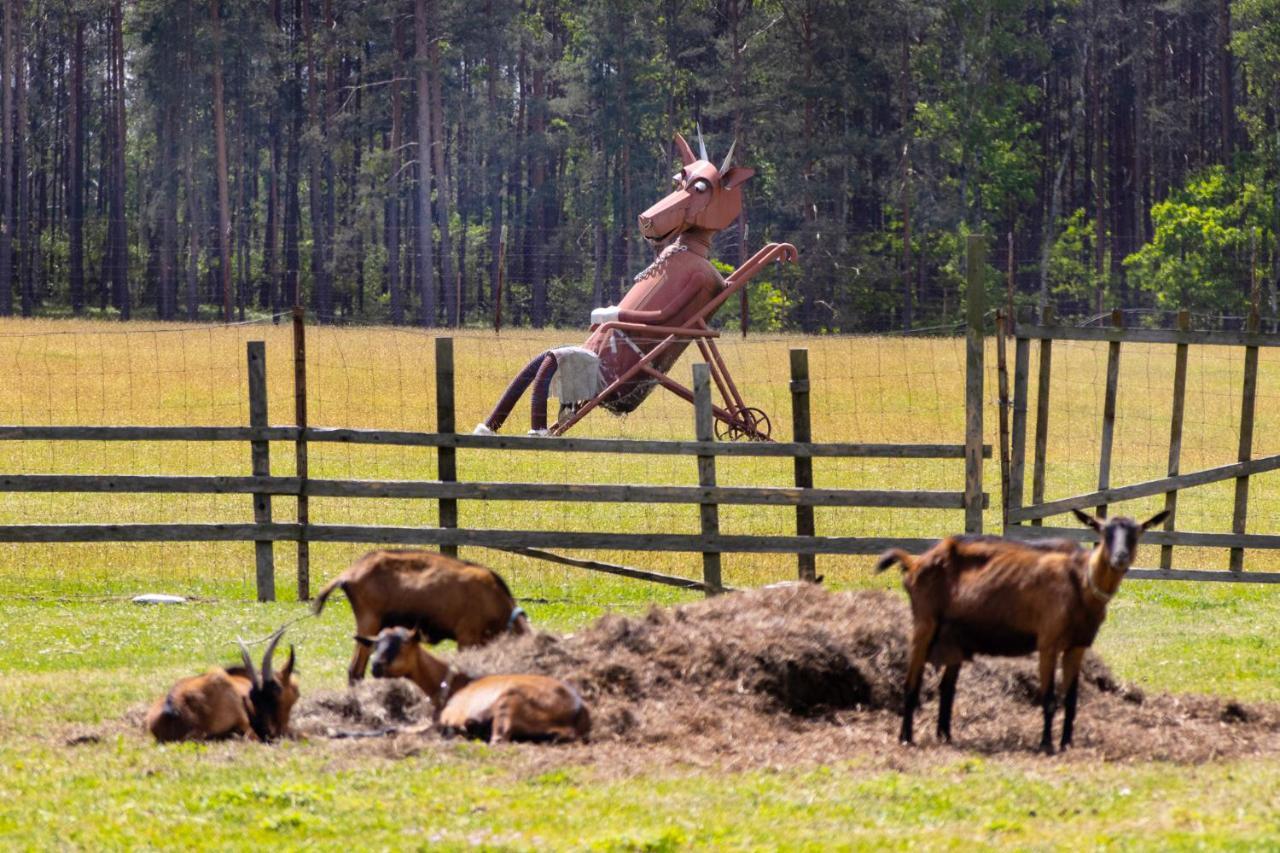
<point x="636" y="342"/>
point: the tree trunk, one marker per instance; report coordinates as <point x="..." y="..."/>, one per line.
<point x="443" y="207"/>
<point x="292" y="204"/>
<point x="21" y="186"/>
<point x="75" y="169"/>
<point x="1226" y="94"/>
<point x="321" y="297"/>
<point x="395" y="291"/>
<point x="119" y="225"/>
<point x="220" y="142"/>
<point x="426" y="244"/>
<point x="7" y="132"/>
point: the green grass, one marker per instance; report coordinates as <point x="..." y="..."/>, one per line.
<point x="75" y="654"/>
<point x="72" y="664"/>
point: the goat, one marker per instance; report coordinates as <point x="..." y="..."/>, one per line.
<point x="228" y="701"/>
<point x="447" y="599"/>
<point x="986" y="595"/>
<point x="499" y="708"/>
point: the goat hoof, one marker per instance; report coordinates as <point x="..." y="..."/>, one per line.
<point x="1046" y="748"/>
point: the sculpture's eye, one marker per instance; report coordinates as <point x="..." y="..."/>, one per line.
<point x="677" y="180"/>
<point x="701" y="185"/>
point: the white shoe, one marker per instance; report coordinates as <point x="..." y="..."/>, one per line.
<point x="541" y="433"/>
<point x="482" y="429"/>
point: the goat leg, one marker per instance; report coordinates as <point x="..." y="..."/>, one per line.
<point x="921" y="639"/>
<point x="1071" y="662"/>
<point x="946" y="697"/>
<point x="1048" y="696"/>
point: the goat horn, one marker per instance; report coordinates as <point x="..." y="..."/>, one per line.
<point x="728" y="158"/>
<point x="248" y="662"/>
<point x="702" y="146"/>
<point x="266" y="656"/>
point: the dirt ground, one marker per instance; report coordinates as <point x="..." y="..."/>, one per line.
<point x="791" y="676"/>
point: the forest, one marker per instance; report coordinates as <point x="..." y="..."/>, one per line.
<point x="417" y="161"/>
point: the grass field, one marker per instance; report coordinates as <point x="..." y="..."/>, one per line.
<point x="74" y="654"/>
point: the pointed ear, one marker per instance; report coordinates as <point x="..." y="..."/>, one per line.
<point x="287" y="672"/>
<point x="1087" y="520"/>
<point x="686" y="153"/>
<point x="1155" y="519"/>
<point x="736" y="176"/>
<point x="364" y="641"/>
<point x="416" y="636"/>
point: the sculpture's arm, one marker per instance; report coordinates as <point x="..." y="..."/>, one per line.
<point x="676" y="304"/>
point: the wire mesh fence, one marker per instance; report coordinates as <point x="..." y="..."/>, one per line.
<point x="874" y="388"/>
<point x="864" y="389"/>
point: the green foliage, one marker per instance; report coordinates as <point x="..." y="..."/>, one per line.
<point x="768" y="307"/>
<point x="1199" y="255"/>
<point x="1070" y="275"/>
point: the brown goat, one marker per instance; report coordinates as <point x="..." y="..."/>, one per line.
<point x="498" y="708"/>
<point x="229" y="701"/>
<point x="986" y="595"/>
<point x="445" y="598"/>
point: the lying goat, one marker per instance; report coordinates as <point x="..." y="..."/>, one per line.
<point x="985" y="595"/>
<point x="498" y="708"/>
<point x="228" y="701"/>
<point x="446" y="599"/>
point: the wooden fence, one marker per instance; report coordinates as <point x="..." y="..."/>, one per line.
<point x="1025" y="519"/>
<point x="708" y="496"/>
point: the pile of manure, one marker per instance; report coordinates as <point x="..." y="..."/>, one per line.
<point x="796" y="674"/>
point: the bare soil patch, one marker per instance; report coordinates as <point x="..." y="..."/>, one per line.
<point x="794" y="676"/>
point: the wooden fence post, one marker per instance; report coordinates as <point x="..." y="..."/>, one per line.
<point x="1109" y="410"/>
<point x="446" y="457"/>
<point x="261" y="459"/>
<point x="300" y="448"/>
<point x="977" y="307"/>
<point x="709" y="512"/>
<point x="1248" y="396"/>
<point x="1175" y="432"/>
<point x="1002" y="378"/>
<point x="1018" y="437"/>
<point x="802" y="432"/>
<point x="1042" y="413"/>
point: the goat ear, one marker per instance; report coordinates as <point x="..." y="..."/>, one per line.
<point x="686" y="153"/>
<point x="287" y="672"/>
<point x="1155" y="519"/>
<point x="364" y="641"/>
<point x="736" y="176"/>
<point x="416" y="636"/>
<point x="1087" y="520"/>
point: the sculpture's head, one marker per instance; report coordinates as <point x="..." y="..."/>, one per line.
<point x="703" y="197"/>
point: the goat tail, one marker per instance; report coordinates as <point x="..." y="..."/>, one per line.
<point x="323" y="595"/>
<point x="895" y="555"/>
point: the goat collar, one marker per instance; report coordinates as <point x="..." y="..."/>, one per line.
<point x="516" y="613"/>
<point x="446" y="685"/>
<point x="1092" y="584"/>
<point x="1104" y="597"/>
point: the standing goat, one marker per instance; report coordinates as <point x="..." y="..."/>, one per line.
<point x="985" y="595"/>
<point x="228" y="701"/>
<point x="447" y="599"/>
<point x="499" y="708"/>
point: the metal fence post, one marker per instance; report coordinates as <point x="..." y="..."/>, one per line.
<point x="709" y="512"/>
<point x="800" y="428"/>
<point x="446" y="457"/>
<point x="977" y="307"/>
<point x="261" y="459"/>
